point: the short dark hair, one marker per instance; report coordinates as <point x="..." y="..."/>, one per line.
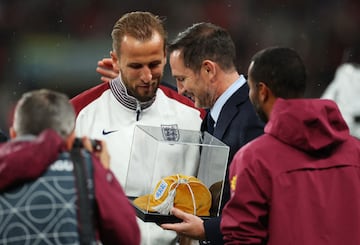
<point x="282" y="70"/>
<point x="204" y="41"/>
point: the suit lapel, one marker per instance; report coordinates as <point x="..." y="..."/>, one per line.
<point x="230" y="110"/>
<point x="203" y="126"/>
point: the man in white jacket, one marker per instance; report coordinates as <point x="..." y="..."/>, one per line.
<point x="345" y="89"/>
<point x="111" y="111"/>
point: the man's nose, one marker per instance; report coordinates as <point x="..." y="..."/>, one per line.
<point x="146" y="74"/>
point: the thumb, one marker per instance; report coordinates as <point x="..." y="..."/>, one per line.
<point x="179" y="214"/>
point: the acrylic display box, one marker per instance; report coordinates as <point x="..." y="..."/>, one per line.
<point x="157" y="152"/>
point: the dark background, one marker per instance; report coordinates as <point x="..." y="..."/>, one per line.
<point x="56" y="43"/>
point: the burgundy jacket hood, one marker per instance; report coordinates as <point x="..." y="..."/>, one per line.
<point x="307" y="124"/>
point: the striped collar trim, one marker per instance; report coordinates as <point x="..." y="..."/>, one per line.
<point x="119" y="91"/>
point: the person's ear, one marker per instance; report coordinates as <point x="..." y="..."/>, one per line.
<point x="115" y="60"/>
<point x="12" y="133"/>
<point x="69" y="141"/>
<point x="208" y="67"/>
<point x="263" y="92"/>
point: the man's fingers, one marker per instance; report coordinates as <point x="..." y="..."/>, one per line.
<point x="106" y="69"/>
<point x="174" y="227"/>
<point x="105" y="79"/>
<point x="178" y="213"/>
<point x="107" y="62"/>
<point x="86" y="143"/>
<point x="106" y="74"/>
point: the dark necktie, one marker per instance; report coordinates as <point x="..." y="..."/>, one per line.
<point x="210" y="124"/>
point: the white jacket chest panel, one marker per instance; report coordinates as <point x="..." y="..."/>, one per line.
<point x="106" y="119"/>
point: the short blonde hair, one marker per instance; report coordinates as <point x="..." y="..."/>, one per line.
<point x="140" y="25"/>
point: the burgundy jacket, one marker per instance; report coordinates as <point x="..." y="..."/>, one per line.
<point x="299" y="183"/>
<point x="22" y="161"/>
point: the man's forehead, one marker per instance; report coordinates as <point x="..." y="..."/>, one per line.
<point x="177" y="59"/>
<point x="142" y="51"/>
<point x="177" y="65"/>
<point x="155" y="37"/>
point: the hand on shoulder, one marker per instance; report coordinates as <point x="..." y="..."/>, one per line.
<point x="106" y="69"/>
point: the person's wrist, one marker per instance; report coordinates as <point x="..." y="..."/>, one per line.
<point x="204" y="240"/>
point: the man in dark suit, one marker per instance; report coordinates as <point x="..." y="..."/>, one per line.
<point x="202" y="62"/>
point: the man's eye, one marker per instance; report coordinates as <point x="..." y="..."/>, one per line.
<point x="154" y="65"/>
<point x="135" y="66"/>
<point x="180" y="79"/>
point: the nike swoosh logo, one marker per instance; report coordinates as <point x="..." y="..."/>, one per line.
<point x="108" y="132"/>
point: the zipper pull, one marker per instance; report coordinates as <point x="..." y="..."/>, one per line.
<point x="138" y="110"/>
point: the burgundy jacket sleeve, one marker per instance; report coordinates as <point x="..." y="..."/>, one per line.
<point x="117" y="219"/>
<point x="245" y="215"/>
<point x="26" y="160"/>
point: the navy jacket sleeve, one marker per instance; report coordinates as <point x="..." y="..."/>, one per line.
<point x="212" y="230"/>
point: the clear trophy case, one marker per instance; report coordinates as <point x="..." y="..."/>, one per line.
<point x="158" y="152"/>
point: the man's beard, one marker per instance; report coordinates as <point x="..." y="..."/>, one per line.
<point x="144" y="97"/>
<point x="260" y="112"/>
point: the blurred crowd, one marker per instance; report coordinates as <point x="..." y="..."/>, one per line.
<point x="56" y="44"/>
